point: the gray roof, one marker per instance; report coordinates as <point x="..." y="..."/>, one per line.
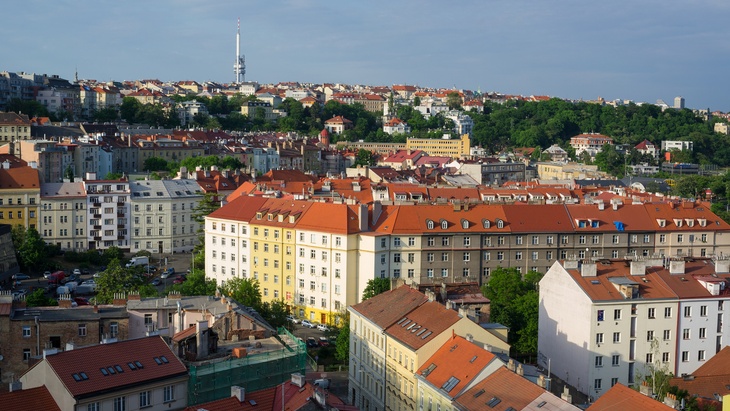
<point x="84" y="313"/>
<point x="164" y="189"/>
<point x="63" y="190"/>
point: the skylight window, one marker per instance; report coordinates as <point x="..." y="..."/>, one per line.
<point x="450" y="384"/>
<point x="83" y="376"/>
<point x="138" y="364"/>
<point x="426" y="335"/>
<point x="119" y="369"/>
<point x="478" y="393"/>
<point x="104" y="371"/>
<point x="77" y="377"/>
<point x="158" y="361"/>
<point x="164" y="359"/>
<point x="493" y="402"/>
<point x="131" y="366"/>
<point x="111" y="370"/>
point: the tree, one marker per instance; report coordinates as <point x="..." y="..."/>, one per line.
<point x="155" y="164"/>
<point x="118" y="279"/>
<point x="106" y="114"/>
<point x="656" y="373"/>
<point x="113" y="176"/>
<point x="375" y="287"/>
<point x="364" y="158"/>
<point x="129" y="108"/>
<point x="38" y="299"/>
<point x="515" y="304"/>
<point x="245" y="291"/>
<point x="196" y="284"/>
<point x="453" y="100"/>
<point x="274" y="312"/>
<point x="32" y="250"/>
<point x="69" y="173"/>
<point x="342" y="344"/>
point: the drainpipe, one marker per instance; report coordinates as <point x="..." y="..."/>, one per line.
<point x="37" y="336"/>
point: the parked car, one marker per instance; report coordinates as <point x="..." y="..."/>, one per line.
<point x="47" y="275"/>
<point x="81" y="301"/>
<point x="97" y="275"/>
<point x="295" y="320"/>
<point x="307" y="323"/>
<point x="312" y="343"/>
<point x="85" y="271"/>
<point x="323" y="342"/>
<point x="323" y="327"/>
<point x="76" y="272"/>
<point x="72" y="277"/>
<point x="21" y="276"/>
<point x="155" y="282"/>
<point x="179" y="280"/>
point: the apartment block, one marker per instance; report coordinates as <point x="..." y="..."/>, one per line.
<point x="63" y="215"/>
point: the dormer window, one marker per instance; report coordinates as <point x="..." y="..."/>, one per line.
<point x="259" y="216"/>
<point x="678" y="222"/>
<point x="690" y="222"/>
<point x="291" y="219"/>
<point x="500" y="223"/>
<point x="702" y="222"/>
<point x="444" y="224"/>
<point x="270" y="217"/>
<point x="429" y="224"/>
<point x="662" y="222"/>
<point x="486" y="223"/>
<point x="594" y="224"/>
<point x="464" y="224"/>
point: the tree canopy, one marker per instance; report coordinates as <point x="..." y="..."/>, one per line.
<point x="515" y="304"/>
<point x="245" y="291"/>
<point x="375" y="287"/>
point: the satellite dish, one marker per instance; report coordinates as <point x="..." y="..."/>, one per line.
<point x="1" y="357"/>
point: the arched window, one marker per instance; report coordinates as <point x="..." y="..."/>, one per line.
<point x="500" y="223"/>
<point x="429" y="224"/>
<point x="464" y="223"/>
<point x="486" y="223"/>
<point x="444" y="224"/>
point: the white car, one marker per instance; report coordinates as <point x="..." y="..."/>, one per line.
<point x="77" y="272"/>
<point x="323" y="327"/>
<point x="307" y="323"/>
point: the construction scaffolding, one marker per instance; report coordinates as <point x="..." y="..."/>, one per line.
<point x="212" y="381"/>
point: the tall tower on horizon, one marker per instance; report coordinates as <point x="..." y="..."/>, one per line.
<point x="239" y="67"/>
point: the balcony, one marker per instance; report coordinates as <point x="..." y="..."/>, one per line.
<point x="97" y="227"/>
<point x="97" y="238"/>
<point x="96" y="204"/>
<point x="97" y="215"/>
<point x="121" y="226"/>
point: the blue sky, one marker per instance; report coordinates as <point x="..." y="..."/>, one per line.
<point x="641" y="50"/>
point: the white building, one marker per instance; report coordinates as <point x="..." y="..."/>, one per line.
<point x="62" y="217"/>
<point x="602" y="322"/>
<point x="108" y="213"/>
<point x="463" y="124"/>
<point x="187" y="110"/>
<point x="668" y="145"/>
<point x="162" y="215"/>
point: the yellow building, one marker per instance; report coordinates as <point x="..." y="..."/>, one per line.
<point x="568" y="171"/>
<point x="454" y="148"/>
<point x="391" y="337"/>
<point x="19" y="195"/>
<point x="14" y="127"/>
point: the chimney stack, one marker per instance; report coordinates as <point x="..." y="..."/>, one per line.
<point x="238" y="392"/>
<point x="202" y="339"/>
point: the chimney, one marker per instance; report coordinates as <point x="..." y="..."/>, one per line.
<point x="670" y="400"/>
<point x="52" y="351"/>
<point x="297" y="379"/>
<point x="70" y="346"/>
<point x="134" y="296"/>
<point x="520" y="371"/>
<point x="541" y="381"/>
<point x="449" y="305"/>
<point x="511" y="365"/>
<point x="588" y="269"/>
<point x="173" y="295"/>
<point x="64" y="301"/>
<point x="15" y="386"/>
<point x="202" y="339"/>
<point x="565" y="396"/>
<point x="470" y="338"/>
<point x="431" y="295"/>
<point x="570" y="264"/>
<point x="362" y="215"/>
<point x="722" y="266"/>
<point x="488" y="347"/>
<point x="676" y="266"/>
<point x="638" y="267"/>
<point x="238" y="392"/>
<point x="646" y="389"/>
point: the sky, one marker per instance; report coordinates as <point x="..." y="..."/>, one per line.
<point x="640" y="50"/>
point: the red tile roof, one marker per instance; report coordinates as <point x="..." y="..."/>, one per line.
<point x="338" y="120"/>
<point x="713" y="377"/>
<point x="386" y="308"/>
<point x="19" y="178"/>
<point x="621" y="397"/>
<point x="268" y="399"/>
<point x="421" y="325"/>
<point x="31" y="399"/>
<point x="90" y="360"/>
<point x="503" y="389"/>
<point x="459" y="359"/>
<point x="240" y="209"/>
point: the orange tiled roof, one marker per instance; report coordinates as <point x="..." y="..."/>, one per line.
<point x="457" y="358"/>
<point x="621" y="397"/>
<point x="19" y="177"/>
<point x="268" y="399"/>
<point x="503" y="389"/>
<point x="422" y="324"/>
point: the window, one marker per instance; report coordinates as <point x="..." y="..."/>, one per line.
<point x="599" y="315"/>
<point x="169" y="393"/>
<point x="615" y="360"/>
<point x="667" y="312"/>
<point x="429" y="257"/>
<point x="467" y="257"/>
<point x="431" y="241"/>
<point x="662" y="238"/>
<point x="518" y="255"/>
<point x="685" y="356"/>
<point x="652" y="313"/>
<point x="429" y="272"/>
<point x="701" y="355"/>
<point x="467" y="241"/>
<point x="599" y="361"/>
<point x="665" y="357"/>
<point x="94" y="406"/>
<point x="500" y="255"/>
<point x="617" y="337"/>
<point x="396" y="242"/>
<point x="680" y="238"/>
<point x="667" y="335"/>
<point x="597" y="384"/>
<point x="444" y="241"/>
<point x="396" y="257"/>
<point x="82" y="330"/>
<point x="616" y="314"/>
<point x="26" y="331"/>
<point x="582" y="239"/>
<point x="444" y="256"/>
<point x="703" y="311"/>
<point x="599" y="338"/>
<point x="145" y="399"/>
<point x="687" y="311"/>
<point x="649" y="335"/>
<point x="703" y="333"/>
<point x="444" y="272"/>
<point x="120" y="404"/>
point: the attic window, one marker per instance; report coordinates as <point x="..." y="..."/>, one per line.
<point x="493" y="402"/>
<point x="678" y="222"/>
<point x="159" y="193"/>
<point x="138" y="364"/>
<point x="450" y="384"/>
<point x="270" y="217"/>
<point x="164" y="359"/>
<point x="428" y="370"/>
<point x="486" y="223"/>
<point x="119" y="369"/>
<point x="104" y="371"/>
<point x="423" y="330"/>
<point x="111" y="370"/>
<point x="541" y="404"/>
<point x="662" y="222"/>
<point x="444" y="224"/>
<point x="429" y="224"/>
<point x="464" y="224"/>
<point x="426" y="335"/>
<point x="146" y="194"/>
<point x="83" y="376"/>
<point x="157" y="360"/>
<point x="259" y="216"/>
<point x="77" y="377"/>
<point x="131" y="366"/>
<point x="135" y="194"/>
<point x="500" y="223"/>
<point x="478" y="393"/>
<point x="690" y="222"/>
<point x="474" y="358"/>
<point x="594" y="224"/>
<point x="702" y="222"/>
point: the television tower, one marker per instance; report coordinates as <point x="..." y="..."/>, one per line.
<point x="239" y="67"/>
